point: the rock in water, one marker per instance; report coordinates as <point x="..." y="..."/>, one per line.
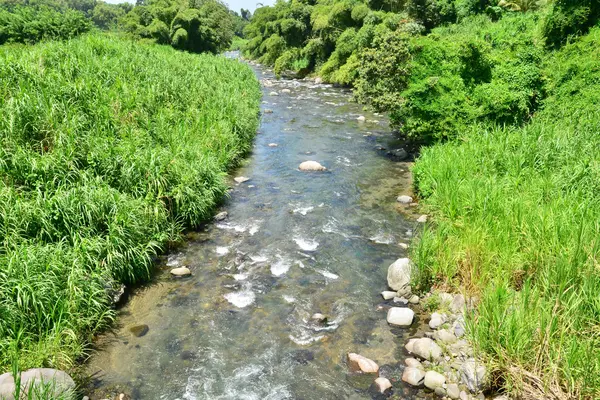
<point x="286" y="91"/>
<point x="241" y="179"/>
<point x="404" y="199"/>
<point x="387" y="295"/>
<point x="311" y="166"/>
<point x="58" y="383"/>
<point x="319" y="317"/>
<point x="358" y="363"/>
<point x="139" y="330"/>
<point x="273" y="145"/>
<point x="413" y="376"/>
<point x="318" y="80"/>
<point x="361" y="118"/>
<point x="400" y="316"/>
<point x="383" y="384"/>
<point x="268" y="111"/>
<point x="221" y="216"/>
<point x="399" y="154"/>
<point x="434" y="380"/>
<point x="181" y="271"/>
<point x="273" y="94"/>
<point x="399" y="273"/>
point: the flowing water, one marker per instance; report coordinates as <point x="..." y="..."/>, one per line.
<point x="294" y="244"/>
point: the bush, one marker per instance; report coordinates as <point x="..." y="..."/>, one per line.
<point x="102" y="163"/>
<point x="569" y="18"/>
<point x="35" y="23"/>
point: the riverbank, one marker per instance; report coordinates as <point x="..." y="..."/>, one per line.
<point x="110" y="148"/>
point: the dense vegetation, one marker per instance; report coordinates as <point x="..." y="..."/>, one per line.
<point x="108" y="149"/>
<point x="507" y="92"/>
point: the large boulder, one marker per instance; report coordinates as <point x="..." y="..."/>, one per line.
<point x="311" y="166"/>
<point x="399" y="273"/>
<point x="52" y="382"/>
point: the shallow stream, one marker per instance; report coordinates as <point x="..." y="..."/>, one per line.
<point x="294" y="244"/>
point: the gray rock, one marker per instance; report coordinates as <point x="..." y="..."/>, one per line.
<point x="473" y="375"/>
<point x="453" y="391"/>
<point x="222" y="216"/>
<point x="399" y="273"/>
<point x="405" y="291"/>
<point x="458" y="304"/>
<point x="387" y="295"/>
<point x="403" y="246"/>
<point x="414" y="299"/>
<point x="382" y="384"/>
<point x="434" y="380"/>
<point x="318" y="80"/>
<point x="273" y="145"/>
<point x="181" y="271"/>
<point x="399" y="154"/>
<point x="437" y="320"/>
<point x="404" y="199"/>
<point x="401" y="300"/>
<point x="57" y="382"/>
<point x="268" y="111"/>
<point x="425" y="348"/>
<point x="413" y="376"/>
<point x="361" y="118"/>
<point x="459" y="327"/>
<point x="440" y="391"/>
<point x="286" y="91"/>
<point x="400" y="316"/>
<point x="445" y="336"/>
<point x="311" y="166"/>
<point x="422" y="219"/>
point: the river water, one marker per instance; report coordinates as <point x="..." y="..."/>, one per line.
<point x="294" y="244"/>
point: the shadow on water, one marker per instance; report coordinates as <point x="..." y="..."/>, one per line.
<point x="294" y="244"/>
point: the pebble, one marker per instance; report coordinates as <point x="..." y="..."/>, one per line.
<point x="445" y="336"/>
<point x="273" y="94"/>
<point x="181" y="271"/>
<point x="241" y="179"/>
<point x="358" y="363"/>
<point x="401" y="300"/>
<point x="400" y="316"/>
<point x="422" y="219"/>
<point x="273" y="145"/>
<point x="268" y="111"/>
<point x="361" y="118"/>
<point x="413" y="362"/>
<point x="414" y="299"/>
<point x="287" y="91"/>
<point x="387" y="295"/>
<point x="139" y="330"/>
<point x="403" y="246"/>
<point x="383" y="384"/>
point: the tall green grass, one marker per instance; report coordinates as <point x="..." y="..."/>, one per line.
<point x="108" y="149"/>
<point x="517" y="223"/>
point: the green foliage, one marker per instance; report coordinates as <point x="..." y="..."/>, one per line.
<point x="106" y="16"/>
<point x="195" y="26"/>
<point x="517" y="211"/>
<point x="31" y="24"/>
<point x="569" y="18"/>
<point x="108" y="150"/>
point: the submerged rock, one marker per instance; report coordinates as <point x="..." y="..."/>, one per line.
<point x="318" y="317"/>
<point x="399" y="273"/>
<point x="56" y="382"/>
<point x="181" y="271"/>
<point x="139" y="330"/>
<point x="311" y="166"/>
<point x="358" y="363"/>
<point x="286" y="91"/>
<point x="404" y="199"/>
<point x="413" y="376"/>
<point x="399" y="154"/>
<point x="400" y="316"/>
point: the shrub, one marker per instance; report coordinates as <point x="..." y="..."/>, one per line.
<point x="569" y="18"/>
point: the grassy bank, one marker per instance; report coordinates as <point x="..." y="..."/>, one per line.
<point x="108" y="150"/>
<point x="517" y="223"/>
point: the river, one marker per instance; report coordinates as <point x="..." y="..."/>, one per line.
<point x="294" y="244"/>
